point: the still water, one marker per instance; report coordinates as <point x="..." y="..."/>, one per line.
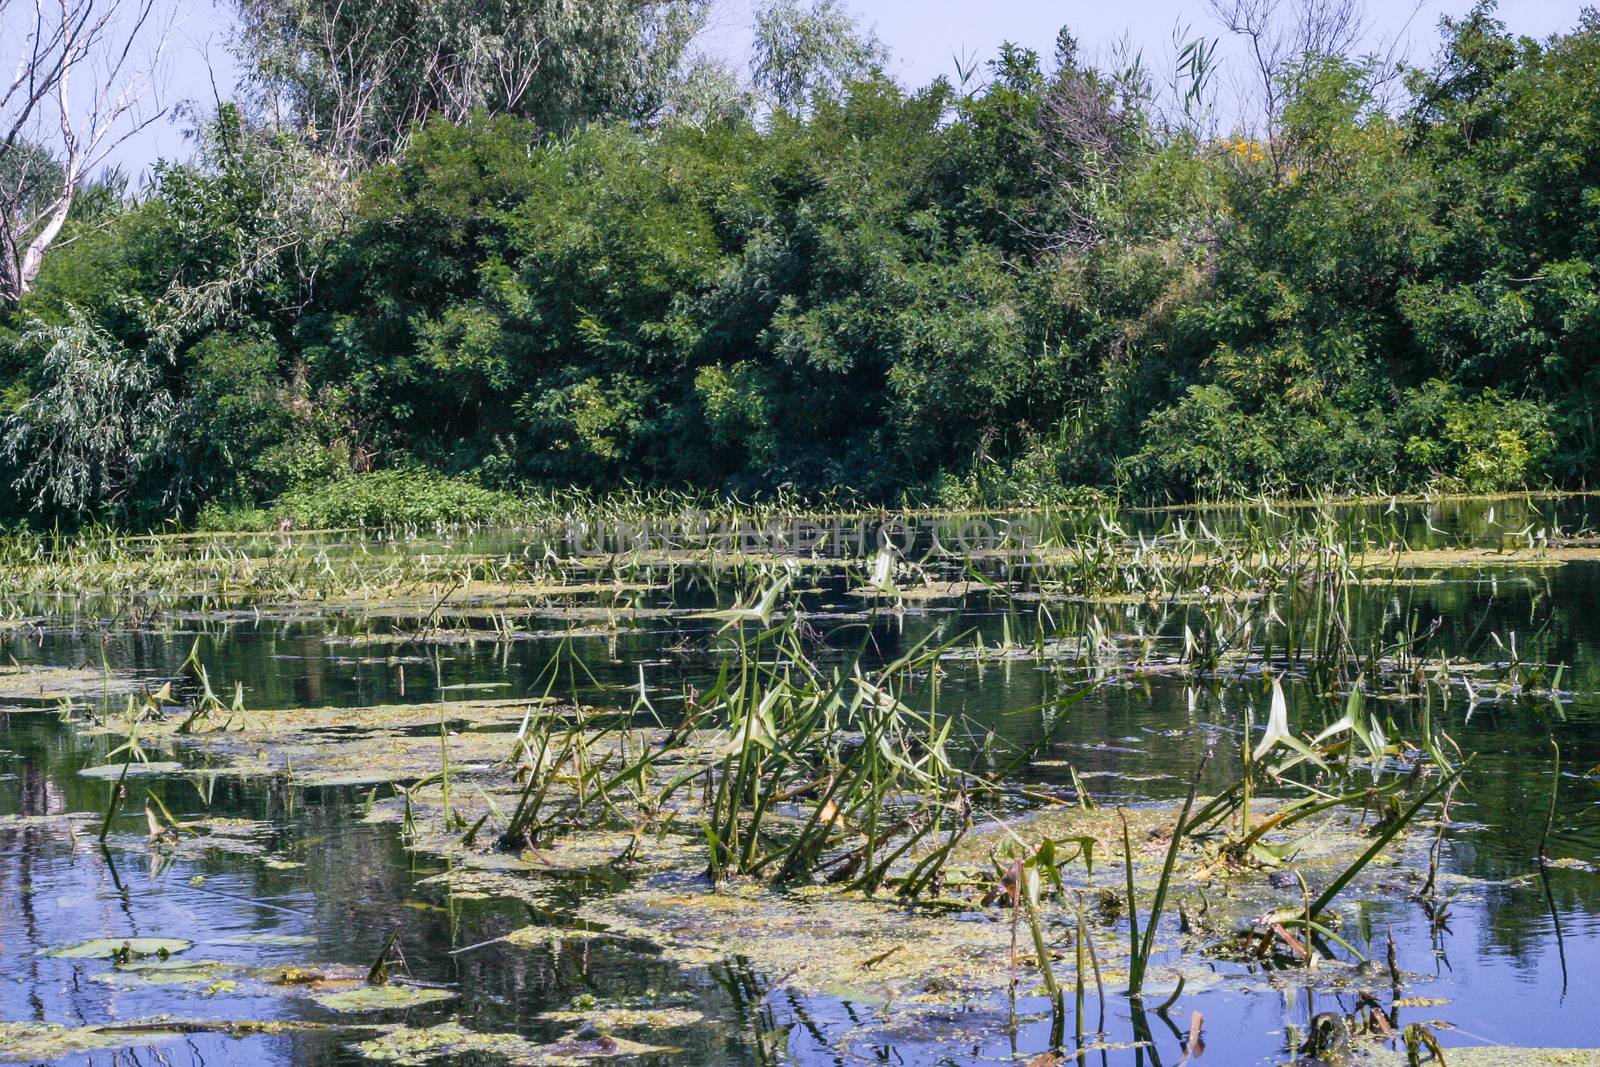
<point x="309" y="881"/>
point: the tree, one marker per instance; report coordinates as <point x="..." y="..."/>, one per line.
<point x="86" y="80"/>
<point x="99" y="422"/>
<point x="1282" y="36"/>
<point x="803" y="50"/>
<point x="253" y="213"/>
<point x="359" y="75"/>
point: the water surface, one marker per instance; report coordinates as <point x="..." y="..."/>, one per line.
<point x="315" y="883"/>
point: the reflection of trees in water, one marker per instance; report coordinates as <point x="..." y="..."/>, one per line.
<point x="43" y="874"/>
<point x="1510" y="799"/>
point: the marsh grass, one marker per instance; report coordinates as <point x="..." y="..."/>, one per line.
<point x="1141" y="949"/>
<point x="808" y="765"/>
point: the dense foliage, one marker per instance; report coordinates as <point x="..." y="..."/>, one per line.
<point x="982" y="294"/>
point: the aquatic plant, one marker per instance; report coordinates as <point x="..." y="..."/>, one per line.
<point x="1141" y="948"/>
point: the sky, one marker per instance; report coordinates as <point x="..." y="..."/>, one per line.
<point x="925" y="39"/>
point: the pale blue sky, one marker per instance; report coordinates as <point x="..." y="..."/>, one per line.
<point x="923" y="36"/>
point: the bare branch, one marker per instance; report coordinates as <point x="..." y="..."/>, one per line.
<point x="86" y="78"/>
<point x="1281" y="35"/>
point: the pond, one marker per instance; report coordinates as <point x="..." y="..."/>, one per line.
<point x="778" y="791"/>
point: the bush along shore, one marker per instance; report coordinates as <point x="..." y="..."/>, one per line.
<point x="1042" y="280"/>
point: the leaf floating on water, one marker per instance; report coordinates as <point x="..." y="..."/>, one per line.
<point x="103" y="948"/>
<point x="113" y="771"/>
<point x="381" y="997"/>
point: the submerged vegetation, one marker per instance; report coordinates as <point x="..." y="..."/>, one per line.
<point x="819" y="798"/>
<point x="791" y="787"/>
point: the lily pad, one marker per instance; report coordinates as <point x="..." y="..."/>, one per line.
<point x="381" y="997"/>
<point x="113" y="771"/>
<point x="102" y="948"/>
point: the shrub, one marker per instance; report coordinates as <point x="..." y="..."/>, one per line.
<point x="96" y="425"/>
<point x="1204" y="446"/>
<point x="1031" y="479"/>
<point x="409" y="496"/>
<point x="1483" y="443"/>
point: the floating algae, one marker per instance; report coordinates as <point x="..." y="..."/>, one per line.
<point x="154" y="962"/>
<point x="133" y="769"/>
<point x="628" y="1017"/>
<point x="282" y="724"/>
<point x="452" y="598"/>
<point x="348" y="746"/>
<point x="276" y="940"/>
<point x="32" y="1042"/>
<point x="578" y="852"/>
<point x="164" y="972"/>
<point x="23" y="1042"/>
<point x="59" y="683"/>
<point x="819" y="941"/>
<point x="1464" y="558"/>
<point x="533" y="936"/>
<point x="481" y="884"/>
<point x="64" y="820"/>
<point x="1500" y="1057"/>
<point x="923" y="590"/>
<point x="416" y="1046"/>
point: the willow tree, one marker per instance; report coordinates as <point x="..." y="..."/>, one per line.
<point x="809" y="49"/>
<point x="96" y="425"/>
<point x="358" y="75"/>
